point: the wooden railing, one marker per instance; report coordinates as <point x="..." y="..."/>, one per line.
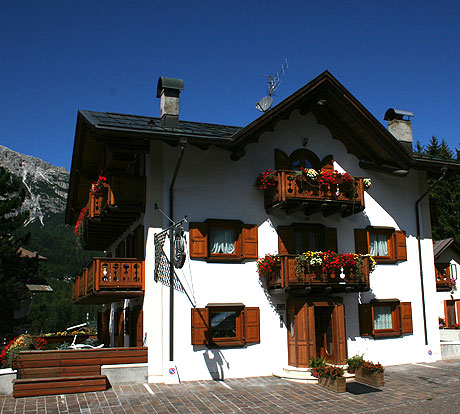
<point x="107" y="279"/>
<point x="288" y="277"/>
<point x="443" y="282"/>
<point x="292" y="189"/>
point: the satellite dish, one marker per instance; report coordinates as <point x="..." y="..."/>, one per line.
<point x="264" y="104"/>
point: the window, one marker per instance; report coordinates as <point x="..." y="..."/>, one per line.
<point x="385" y="318"/>
<point x="452" y="312"/>
<point x="225" y="325"/>
<point x="443" y="276"/>
<point x="299" y="238"/>
<point x="223" y="240"/>
<point x="385" y="244"/>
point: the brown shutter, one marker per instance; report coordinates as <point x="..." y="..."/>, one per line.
<point x="200" y="323"/>
<point x="105" y="332"/>
<point x="406" y="318"/>
<point x="446" y="314"/>
<point x="252" y="325"/>
<point x="198" y="233"/>
<point x="340" y="331"/>
<point x="366" y="322"/>
<point x="330" y="239"/>
<point x="250" y="250"/>
<point x="401" y="250"/>
<point x="140" y="328"/>
<point x="457" y="308"/>
<point x="139" y="243"/>
<point x="361" y="243"/>
<point x="286" y="240"/>
<point x="119" y="339"/>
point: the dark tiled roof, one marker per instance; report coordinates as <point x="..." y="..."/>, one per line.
<point x="441" y="245"/>
<point x="150" y="125"/>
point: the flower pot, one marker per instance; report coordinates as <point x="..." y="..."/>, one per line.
<point x="374" y="380"/>
<point x="336" y="384"/>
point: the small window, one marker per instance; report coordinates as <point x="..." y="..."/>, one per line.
<point x="225" y="325"/>
<point x="386" y="245"/>
<point x="223" y="240"/>
<point x="385" y="318"/>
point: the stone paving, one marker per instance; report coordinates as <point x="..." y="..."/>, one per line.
<point x="414" y="388"/>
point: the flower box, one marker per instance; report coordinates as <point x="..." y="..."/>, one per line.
<point x="374" y="380"/>
<point x="336" y="384"/>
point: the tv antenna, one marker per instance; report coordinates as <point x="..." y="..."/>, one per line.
<point x="273" y="82"/>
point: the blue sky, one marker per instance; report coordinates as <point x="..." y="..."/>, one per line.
<point x="61" y="56"/>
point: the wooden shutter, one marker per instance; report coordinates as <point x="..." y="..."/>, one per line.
<point x="250" y="249"/>
<point x="139" y="328"/>
<point x="200" y="323"/>
<point x="198" y="233"/>
<point x="366" y="321"/>
<point x="400" y="245"/>
<point x="252" y="325"/>
<point x="330" y="239"/>
<point x="286" y="240"/>
<point x="406" y="318"/>
<point x="341" y="339"/>
<point x="120" y="336"/>
<point x="139" y="243"/>
<point x="361" y="243"/>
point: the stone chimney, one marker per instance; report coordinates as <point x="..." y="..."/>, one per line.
<point x="400" y="126"/>
<point x="168" y="90"/>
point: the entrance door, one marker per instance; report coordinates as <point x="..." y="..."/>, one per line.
<point x="316" y="328"/>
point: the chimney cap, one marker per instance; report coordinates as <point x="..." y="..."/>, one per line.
<point x="169" y="83"/>
<point x="392" y="114"/>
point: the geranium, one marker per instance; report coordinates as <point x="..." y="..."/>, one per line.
<point x="23" y="342"/>
<point x="266" y="180"/>
<point x="327" y="370"/>
<point x="369" y="368"/>
<point x="97" y="187"/>
<point x="81" y="219"/>
<point x="442" y="323"/>
<point x="267" y="266"/>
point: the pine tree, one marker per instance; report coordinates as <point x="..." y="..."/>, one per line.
<point x="15" y="271"/>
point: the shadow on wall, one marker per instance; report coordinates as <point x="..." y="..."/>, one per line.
<point x="215" y="361"/>
<point x="352" y="313"/>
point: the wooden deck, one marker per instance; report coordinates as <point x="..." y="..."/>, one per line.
<point x="70" y="371"/>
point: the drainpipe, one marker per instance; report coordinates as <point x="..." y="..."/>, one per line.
<point x="171" y="251"/>
<point x="417" y="217"/>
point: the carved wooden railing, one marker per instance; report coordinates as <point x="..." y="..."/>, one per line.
<point x="292" y="188"/>
<point x="287" y="277"/>
<point x="105" y="275"/>
<point x="443" y="281"/>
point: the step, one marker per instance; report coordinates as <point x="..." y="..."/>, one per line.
<point x="53" y="372"/>
<point x="303" y="374"/>
<point x="32" y="387"/>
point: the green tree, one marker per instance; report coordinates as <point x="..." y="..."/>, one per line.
<point x="445" y="197"/>
<point x="15" y="271"/>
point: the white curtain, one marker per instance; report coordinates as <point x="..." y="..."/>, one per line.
<point x="382" y="317"/>
<point x="378" y="245"/>
<point x="222" y="241"/>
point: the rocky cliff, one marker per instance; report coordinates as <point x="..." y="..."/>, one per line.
<point x="45" y="184"/>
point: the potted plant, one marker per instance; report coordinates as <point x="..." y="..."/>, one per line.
<point x="354" y="363"/>
<point x="331" y="377"/>
<point x="370" y="374"/>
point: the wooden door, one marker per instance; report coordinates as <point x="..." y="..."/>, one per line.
<point x="316" y="328"/>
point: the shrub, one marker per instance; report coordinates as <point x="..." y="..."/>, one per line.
<point x="369" y="368"/>
<point x="328" y="371"/>
<point x="354" y="362"/>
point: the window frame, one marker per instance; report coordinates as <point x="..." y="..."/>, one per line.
<point x="247" y="326"/>
<point x="388" y="232"/>
<point x="396" y="242"/>
<point x="400" y="323"/>
<point x="246" y="241"/>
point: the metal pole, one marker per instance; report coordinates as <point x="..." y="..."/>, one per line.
<point x="171" y="254"/>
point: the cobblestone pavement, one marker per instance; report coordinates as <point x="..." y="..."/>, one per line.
<point x="414" y="388"/>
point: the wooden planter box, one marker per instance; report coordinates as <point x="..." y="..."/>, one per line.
<point x="333" y="384"/>
<point x="60" y="339"/>
<point x="374" y="380"/>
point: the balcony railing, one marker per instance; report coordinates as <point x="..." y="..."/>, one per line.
<point x="288" y="277"/>
<point x="110" y="213"/>
<point x="295" y="192"/>
<point x="443" y="279"/>
<point x="108" y="280"/>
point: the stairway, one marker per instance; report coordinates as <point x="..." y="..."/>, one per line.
<point x="303" y="374"/>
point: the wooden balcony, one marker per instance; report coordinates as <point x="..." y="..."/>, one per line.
<point x="109" y="280"/>
<point x="317" y="282"/>
<point x="295" y="193"/>
<point x="121" y="203"/>
<point x="443" y="280"/>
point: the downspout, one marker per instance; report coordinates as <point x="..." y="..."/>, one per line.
<point x="171" y="252"/>
<point x="417" y="217"/>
